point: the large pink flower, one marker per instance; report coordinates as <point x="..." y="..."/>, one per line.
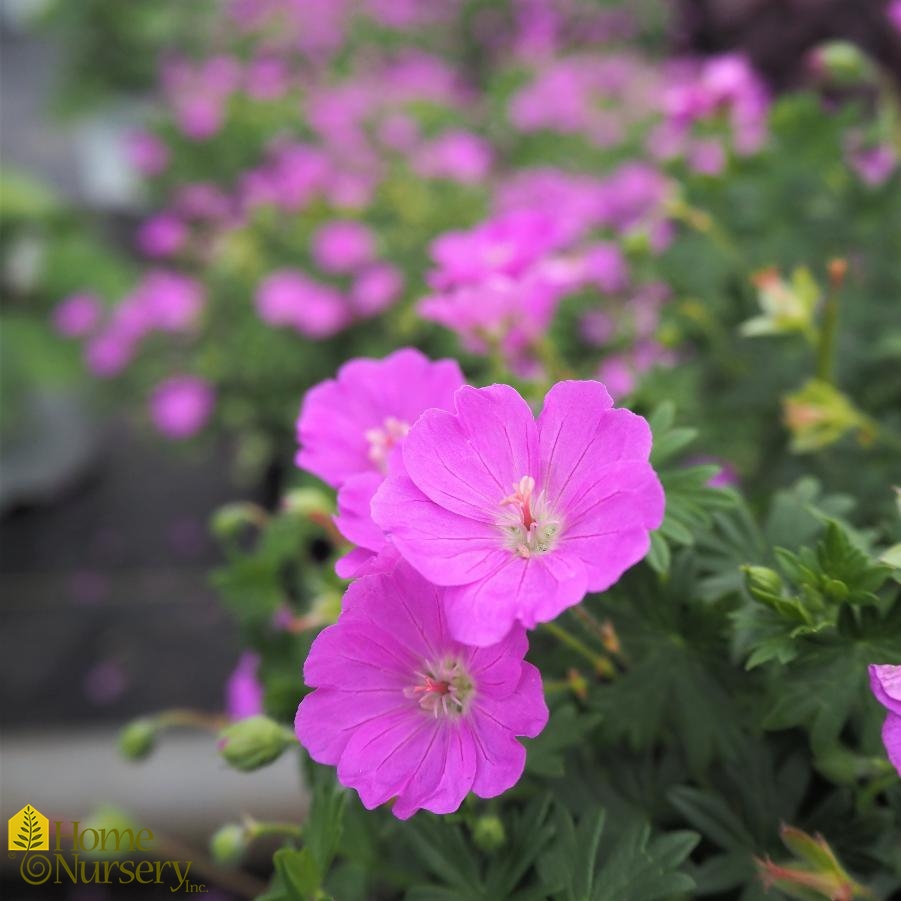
<point x="349" y="425"/>
<point x="405" y="711"/>
<point x="885" y="683"/>
<point x="520" y="518"/>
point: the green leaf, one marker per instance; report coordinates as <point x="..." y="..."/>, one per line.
<point x="324" y="827"/>
<point x="639" y="867"/>
<point x="299" y="872"/>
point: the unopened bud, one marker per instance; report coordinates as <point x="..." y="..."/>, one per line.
<point x="837" y="269"/>
<point x="763" y="580"/>
<point x="137" y="739"/>
<point x="254" y="742"/>
<point x="488" y="833"/>
<point x="609" y="637"/>
<point x="228" y="844"/>
<point x="230" y="519"/>
<point x="842" y="63"/>
<point x="308" y="502"/>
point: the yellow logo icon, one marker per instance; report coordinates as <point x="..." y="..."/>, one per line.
<point x="29" y="830"/>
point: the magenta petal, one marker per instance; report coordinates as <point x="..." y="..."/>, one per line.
<point x="461" y="766"/>
<point x="498" y="667"/>
<point x="427" y="774"/>
<point x="525" y="712"/>
<point x="885" y="683"/>
<point x="326" y="719"/>
<point x="468" y="462"/>
<point x="354" y="520"/>
<point x="481" y="613"/>
<point x="337" y="414"/>
<point x="579" y="434"/>
<point x="443" y="546"/>
<point x="359" y="653"/>
<point x="383" y="756"/>
<point x="501" y="757"/>
<point x="891" y="738"/>
<point x="400" y="607"/>
<point x="607" y="556"/>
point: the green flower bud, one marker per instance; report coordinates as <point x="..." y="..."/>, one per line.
<point x="254" y="742"/>
<point x="488" y="833"/>
<point x="308" y="502"/>
<point x="228" y="520"/>
<point x="228" y="844"/>
<point x="137" y="739"/>
<point x="843" y="62"/>
<point x="763" y="580"/>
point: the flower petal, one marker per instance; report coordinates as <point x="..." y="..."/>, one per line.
<point x="445" y="547"/>
<point x="885" y="682"/>
<point x="326" y="718"/>
<point x="525" y="711"/>
<point x="468" y="462"/>
<point x="501" y="758"/>
<point x="460" y="768"/>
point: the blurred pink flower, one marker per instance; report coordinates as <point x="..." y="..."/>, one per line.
<point x="243" y="691"/>
<point x="162" y="235"/>
<point x="146" y="152"/>
<point x="78" y="315"/>
<point x="181" y="406"/>
<point x="341" y="247"/>
<point x="376" y="289"/>
<point x="288" y="297"/>
<point x="455" y="155"/>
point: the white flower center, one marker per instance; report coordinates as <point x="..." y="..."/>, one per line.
<point x="443" y="688"/>
<point x="382" y="440"/>
<point x="529" y="526"/>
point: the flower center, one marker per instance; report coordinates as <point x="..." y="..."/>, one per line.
<point x="382" y="440"/>
<point x="443" y="688"/>
<point x="530" y="527"/>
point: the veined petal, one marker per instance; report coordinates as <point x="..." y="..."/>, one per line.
<point x="444" y="546"/>
<point x="468" y="461"/>
<point x="326" y="718"/>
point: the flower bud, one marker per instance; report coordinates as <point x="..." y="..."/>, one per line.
<point x="137" y="739"/>
<point x="818" y="415"/>
<point x="762" y="580"/>
<point x="254" y="742"/>
<point x="488" y="833"/>
<point x="228" y="520"/>
<point x="228" y="844"/>
<point x="308" y="502"/>
<point x="842" y="63"/>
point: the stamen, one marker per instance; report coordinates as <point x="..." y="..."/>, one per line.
<point x="442" y="689"/>
<point x="529" y="525"/>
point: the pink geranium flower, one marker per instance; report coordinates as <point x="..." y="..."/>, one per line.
<point x="78" y="315"/>
<point x="408" y="713"/>
<point x="243" y="691"/>
<point x="288" y="297"/>
<point x="885" y="683"/>
<point x="349" y="425"/>
<point x="520" y="518"/>
<point x="341" y="247"/>
<point x="181" y="406"/>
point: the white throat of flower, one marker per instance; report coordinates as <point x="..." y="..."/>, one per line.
<point x="382" y="440"/>
<point x="529" y="526"/>
<point x="443" y="688"/>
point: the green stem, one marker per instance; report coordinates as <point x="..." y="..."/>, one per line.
<point x="601" y="665"/>
<point x="257" y="830"/>
<point x="828" y="335"/>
